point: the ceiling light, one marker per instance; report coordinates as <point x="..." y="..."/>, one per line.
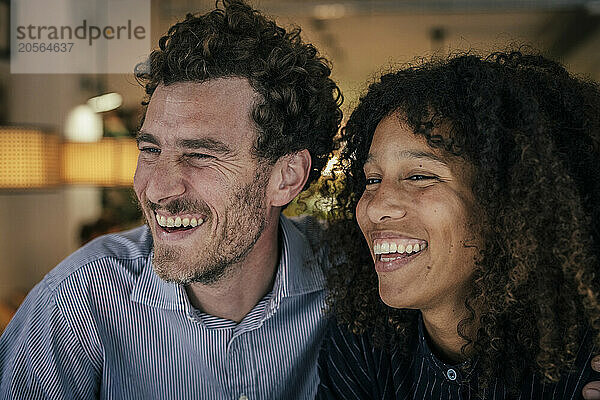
<point x="105" y="102"/>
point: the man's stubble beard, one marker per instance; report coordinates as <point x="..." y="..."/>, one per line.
<point x="244" y="222"/>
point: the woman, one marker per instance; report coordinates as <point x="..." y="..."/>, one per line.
<point x="476" y="184"/>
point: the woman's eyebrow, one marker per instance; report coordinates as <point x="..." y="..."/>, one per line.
<point x="412" y="154"/>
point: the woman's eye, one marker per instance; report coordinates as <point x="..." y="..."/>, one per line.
<point x="372" y="181"/>
<point x="418" y="177"/>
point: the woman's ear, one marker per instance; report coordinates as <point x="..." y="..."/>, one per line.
<point x="288" y="177"/>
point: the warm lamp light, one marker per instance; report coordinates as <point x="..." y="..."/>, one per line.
<point x="110" y="162"/>
<point x="29" y="158"/>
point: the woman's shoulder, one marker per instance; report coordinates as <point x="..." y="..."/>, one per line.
<point x="341" y="342"/>
<point x="571" y="381"/>
<point x="351" y="367"/>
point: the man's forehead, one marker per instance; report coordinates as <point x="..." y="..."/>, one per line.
<point x="219" y="108"/>
<point x="227" y="98"/>
<point x="227" y="91"/>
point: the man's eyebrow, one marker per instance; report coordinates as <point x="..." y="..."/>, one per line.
<point x="146" y="137"/>
<point x="195" y="144"/>
<point x="204" y="143"/>
<point x="412" y="154"/>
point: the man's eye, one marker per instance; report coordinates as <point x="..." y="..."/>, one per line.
<point x="199" y="156"/>
<point x="372" y="181"/>
<point x="150" y="150"/>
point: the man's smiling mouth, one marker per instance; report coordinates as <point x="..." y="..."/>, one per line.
<point x="174" y="223"/>
<point x="388" y="250"/>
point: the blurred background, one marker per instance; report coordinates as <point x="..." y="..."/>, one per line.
<point x="67" y="153"/>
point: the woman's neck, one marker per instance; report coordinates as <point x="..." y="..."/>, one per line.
<point x="441" y="329"/>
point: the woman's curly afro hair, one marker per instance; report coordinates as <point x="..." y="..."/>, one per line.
<point x="532" y="133"/>
<point x="300" y="104"/>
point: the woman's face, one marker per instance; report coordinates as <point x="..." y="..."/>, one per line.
<point x="417" y="213"/>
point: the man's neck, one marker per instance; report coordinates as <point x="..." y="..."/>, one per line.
<point x="238" y="292"/>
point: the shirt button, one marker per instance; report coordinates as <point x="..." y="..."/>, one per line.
<point x="451" y="374"/>
<point x="243" y="397"/>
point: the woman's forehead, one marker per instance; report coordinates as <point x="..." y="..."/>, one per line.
<point x="396" y="140"/>
<point x="394" y="132"/>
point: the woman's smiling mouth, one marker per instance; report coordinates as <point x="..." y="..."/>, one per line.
<point x="391" y="254"/>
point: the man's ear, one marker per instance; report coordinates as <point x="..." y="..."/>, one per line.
<point x="288" y="177"/>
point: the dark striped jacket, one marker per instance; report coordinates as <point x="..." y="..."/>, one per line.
<point x="350" y="368"/>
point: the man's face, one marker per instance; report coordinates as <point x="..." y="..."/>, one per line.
<point x="201" y="191"/>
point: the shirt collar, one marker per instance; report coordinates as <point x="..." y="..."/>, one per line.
<point x="151" y="290"/>
<point x="440" y="367"/>
<point x="301" y="265"/>
<point x="300" y="271"/>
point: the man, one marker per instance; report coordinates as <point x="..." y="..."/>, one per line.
<point x="219" y="296"/>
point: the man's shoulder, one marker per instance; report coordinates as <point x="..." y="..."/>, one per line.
<point x="308" y="243"/>
<point x="114" y="249"/>
<point x="311" y="228"/>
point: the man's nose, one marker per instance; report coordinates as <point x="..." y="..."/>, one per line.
<point x="165" y="183"/>
<point x="388" y="203"/>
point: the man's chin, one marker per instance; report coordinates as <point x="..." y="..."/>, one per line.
<point x="168" y="264"/>
<point x="171" y="268"/>
<point x="169" y="272"/>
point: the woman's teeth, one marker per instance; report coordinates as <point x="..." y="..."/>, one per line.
<point x="394" y="249"/>
<point x="177" y="222"/>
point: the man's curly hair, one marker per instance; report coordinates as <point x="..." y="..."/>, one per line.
<point x="299" y="105"/>
<point x="532" y="133"/>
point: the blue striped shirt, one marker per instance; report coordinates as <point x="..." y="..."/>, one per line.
<point x="103" y="325"/>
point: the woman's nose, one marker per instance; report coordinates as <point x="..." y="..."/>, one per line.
<point x="387" y="203"/>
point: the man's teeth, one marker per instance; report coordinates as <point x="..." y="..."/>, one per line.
<point x="400" y="248"/>
<point x="176" y="222"/>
